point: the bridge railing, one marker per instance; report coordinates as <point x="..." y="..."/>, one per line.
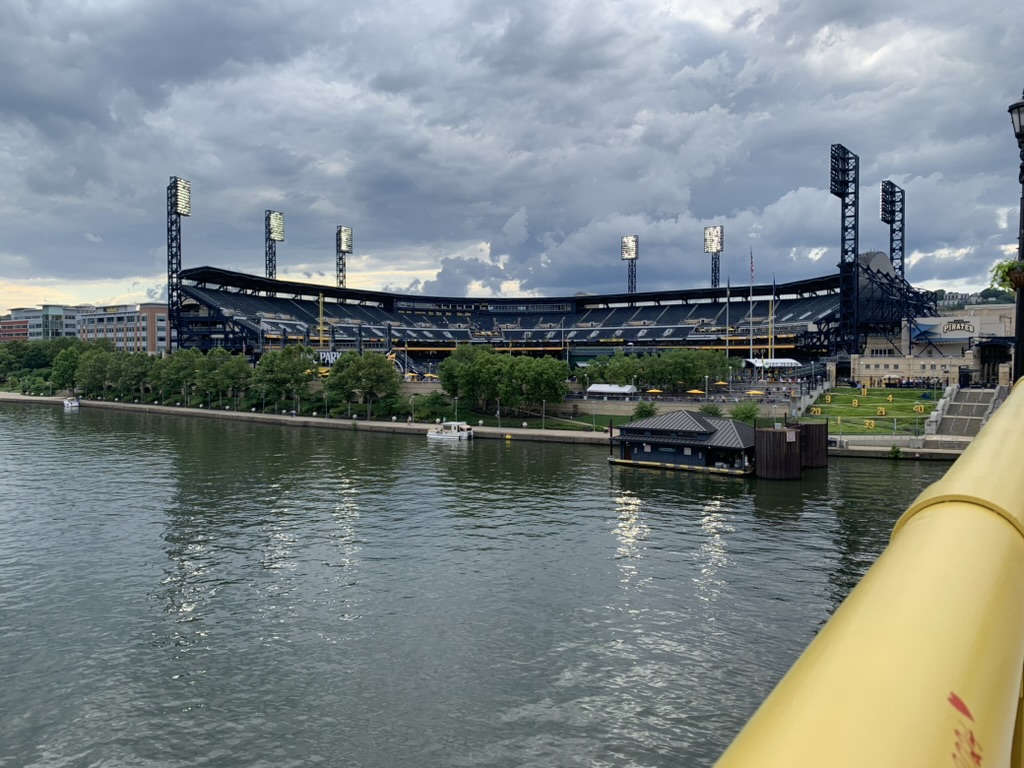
<point x="922" y="663"/>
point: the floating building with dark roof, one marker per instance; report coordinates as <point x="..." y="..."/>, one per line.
<point x="688" y="441"/>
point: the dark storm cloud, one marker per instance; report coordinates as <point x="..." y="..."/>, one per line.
<point x="475" y="146"/>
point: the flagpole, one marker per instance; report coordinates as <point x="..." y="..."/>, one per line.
<point x="728" y="330"/>
<point x="751" y="305"/>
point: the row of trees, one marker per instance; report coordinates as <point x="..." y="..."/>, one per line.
<point x="484" y="379"/>
<point x="674" y="371"/>
<point x="283" y="379"/>
<point x="487" y="380"/>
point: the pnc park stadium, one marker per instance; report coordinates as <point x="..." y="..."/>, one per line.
<point x="864" y="319"/>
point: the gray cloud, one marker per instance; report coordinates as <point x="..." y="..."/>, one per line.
<point x="516" y="145"/>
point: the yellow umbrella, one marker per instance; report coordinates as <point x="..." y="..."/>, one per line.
<point x="654" y="391"/>
<point x="721" y="383"/>
<point x="754" y="392"/>
<point x="429" y="376"/>
<point x="695" y="391"/>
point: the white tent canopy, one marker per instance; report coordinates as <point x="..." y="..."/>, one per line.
<point x="611" y="389"/>
<point x="773" y="362"/>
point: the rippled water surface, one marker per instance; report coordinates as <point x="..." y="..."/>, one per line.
<point x="184" y="592"/>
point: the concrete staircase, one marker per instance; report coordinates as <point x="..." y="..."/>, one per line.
<point x="964" y="417"/>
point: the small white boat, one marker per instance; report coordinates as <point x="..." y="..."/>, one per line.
<point x="451" y="430"/>
<point x="72" y="403"/>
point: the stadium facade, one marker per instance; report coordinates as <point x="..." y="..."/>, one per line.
<point x="795" y="320"/>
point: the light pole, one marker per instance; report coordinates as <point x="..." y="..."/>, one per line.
<point x="412" y="407"/>
<point x="499" y="413"/>
<point x="456" y="398"/>
<point x="706" y="388"/>
<point x="543" y="412"/>
<point x="1017" y="116"/>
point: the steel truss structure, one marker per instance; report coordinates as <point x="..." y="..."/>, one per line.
<point x="844" y="183"/>
<point x="891" y="213"/>
<point x="271" y="248"/>
<point x="178" y="204"/>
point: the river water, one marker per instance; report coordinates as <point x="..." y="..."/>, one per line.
<point x="189" y="592"/>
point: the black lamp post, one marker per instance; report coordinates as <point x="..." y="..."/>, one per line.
<point x="1017" y="116"/>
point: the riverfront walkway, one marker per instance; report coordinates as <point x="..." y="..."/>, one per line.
<point x="534" y="434"/>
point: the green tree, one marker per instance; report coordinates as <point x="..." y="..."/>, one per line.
<point x="9" y="363"/>
<point x="236" y="376"/>
<point x="372" y="376"/>
<point x="621" y="368"/>
<point x="210" y="379"/>
<point x="644" y="409"/>
<point x="175" y="375"/>
<point x="745" y="411"/>
<point x="92" y="370"/>
<point x="65" y="369"/>
<point x="285" y="374"/>
<point x="135" y="374"/>
<point x="710" y="409"/>
<point x="1003" y="274"/>
<point x="462" y="374"/>
<point x="117" y="376"/>
<point x="997" y="294"/>
<point x="36" y="356"/>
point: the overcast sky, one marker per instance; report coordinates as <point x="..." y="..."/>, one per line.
<point x="482" y="149"/>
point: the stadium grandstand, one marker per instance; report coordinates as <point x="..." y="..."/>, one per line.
<point x="797" y="320"/>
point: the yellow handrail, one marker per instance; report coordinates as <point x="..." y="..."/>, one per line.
<point x="922" y="663"/>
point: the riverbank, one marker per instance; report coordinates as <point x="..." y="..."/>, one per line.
<point x="312" y="422"/>
<point x="850" y="447"/>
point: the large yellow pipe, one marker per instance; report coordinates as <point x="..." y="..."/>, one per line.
<point x="922" y="663"/>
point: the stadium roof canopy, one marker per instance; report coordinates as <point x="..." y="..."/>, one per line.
<point x="240" y="282"/>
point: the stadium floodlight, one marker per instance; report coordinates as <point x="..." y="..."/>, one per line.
<point x="630" y="247"/>
<point x="886" y="201"/>
<point x="713" y="239"/>
<point x="343" y="243"/>
<point x="630" y="252"/>
<point x="179" y="203"/>
<point x="182" y="193"/>
<point x="344" y="239"/>
<point x="275" y="225"/>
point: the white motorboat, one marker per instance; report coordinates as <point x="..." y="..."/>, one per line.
<point x="451" y="430"/>
<point x="72" y="403"/>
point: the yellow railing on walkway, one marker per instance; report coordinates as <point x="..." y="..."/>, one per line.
<point x="922" y="663"/>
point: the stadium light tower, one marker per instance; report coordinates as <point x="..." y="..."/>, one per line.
<point x="891" y="212"/>
<point x="844" y="183"/>
<point x="713" y="240"/>
<point x="630" y="253"/>
<point x="274" y="225"/>
<point x="179" y="203"/>
<point x="1017" y="117"/>
<point x="343" y="243"/>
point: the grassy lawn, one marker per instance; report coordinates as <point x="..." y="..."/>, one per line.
<point x="874" y="411"/>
